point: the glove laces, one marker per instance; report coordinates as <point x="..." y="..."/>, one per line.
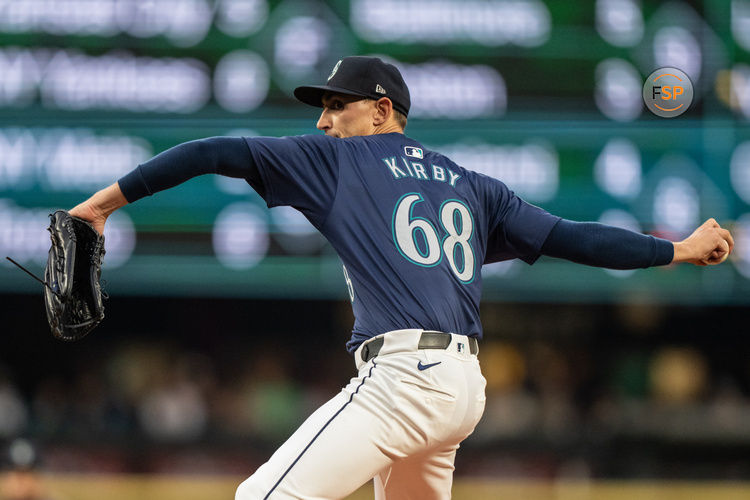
<point x="34" y="276"/>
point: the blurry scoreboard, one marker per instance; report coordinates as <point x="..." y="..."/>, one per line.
<point x="544" y="95"/>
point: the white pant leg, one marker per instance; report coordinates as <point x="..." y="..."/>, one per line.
<point x="392" y="415"/>
<point x="422" y="477"/>
<point x="331" y="454"/>
<point x="442" y="405"/>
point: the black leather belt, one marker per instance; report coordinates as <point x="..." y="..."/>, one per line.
<point x="428" y="340"/>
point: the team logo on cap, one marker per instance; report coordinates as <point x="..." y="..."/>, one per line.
<point x="413" y="152"/>
<point x="379" y="89"/>
<point x="335" y="69"/>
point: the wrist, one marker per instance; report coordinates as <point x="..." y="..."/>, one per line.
<point x="681" y="252"/>
<point x="106" y="201"/>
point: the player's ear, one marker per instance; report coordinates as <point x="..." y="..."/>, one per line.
<point x="383" y="111"/>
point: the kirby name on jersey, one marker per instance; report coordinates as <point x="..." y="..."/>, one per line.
<point x="417" y="170"/>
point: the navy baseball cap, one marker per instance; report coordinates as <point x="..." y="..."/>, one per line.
<point x="361" y="76"/>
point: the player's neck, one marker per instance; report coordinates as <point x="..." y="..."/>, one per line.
<point x="387" y="128"/>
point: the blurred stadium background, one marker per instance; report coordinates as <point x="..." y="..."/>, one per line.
<point x="227" y="320"/>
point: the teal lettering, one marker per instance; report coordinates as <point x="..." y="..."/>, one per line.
<point x="438" y="173"/>
<point x="419" y="170"/>
<point x="454" y="178"/>
<point x="408" y="168"/>
<point x="397" y="172"/>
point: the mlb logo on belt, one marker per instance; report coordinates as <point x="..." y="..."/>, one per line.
<point x="413" y="152"/>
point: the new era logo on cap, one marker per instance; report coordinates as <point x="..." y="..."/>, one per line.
<point x="379" y="89"/>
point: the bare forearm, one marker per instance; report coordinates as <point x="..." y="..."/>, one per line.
<point x="682" y="252"/>
<point x="108" y="200"/>
<point x="100" y="206"/>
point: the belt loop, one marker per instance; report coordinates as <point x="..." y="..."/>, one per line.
<point x="372" y="346"/>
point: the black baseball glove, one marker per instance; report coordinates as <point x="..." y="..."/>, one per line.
<point x="73" y="295"/>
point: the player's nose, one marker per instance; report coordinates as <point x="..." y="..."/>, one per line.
<point x="324" y="122"/>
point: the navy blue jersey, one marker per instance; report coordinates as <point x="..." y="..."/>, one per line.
<point x="411" y="227"/>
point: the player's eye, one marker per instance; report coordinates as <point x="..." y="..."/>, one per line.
<point x="336" y="104"/>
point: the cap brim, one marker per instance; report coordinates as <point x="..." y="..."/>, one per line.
<point x="313" y="94"/>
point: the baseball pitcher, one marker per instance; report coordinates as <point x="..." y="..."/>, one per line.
<point x="413" y="229"/>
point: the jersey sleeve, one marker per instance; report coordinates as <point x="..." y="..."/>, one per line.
<point x="227" y="156"/>
<point x="299" y="171"/>
<point x="599" y="245"/>
<point x="517" y="229"/>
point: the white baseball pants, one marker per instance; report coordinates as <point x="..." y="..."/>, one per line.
<point x="400" y="421"/>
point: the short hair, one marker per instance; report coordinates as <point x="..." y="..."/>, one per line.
<point x="400" y="118"/>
